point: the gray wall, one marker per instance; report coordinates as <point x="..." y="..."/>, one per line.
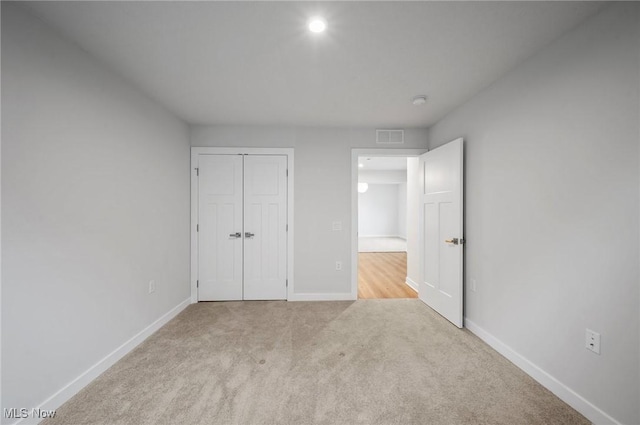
<point x="413" y="208"/>
<point x="382" y="209"/>
<point x="552" y="185"/>
<point x="95" y="187"/>
<point x="322" y="192"/>
<point x="402" y="210"/>
<point x="378" y="210"/>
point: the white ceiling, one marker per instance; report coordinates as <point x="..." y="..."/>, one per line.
<point x="386" y="163"/>
<point x="256" y="63"/>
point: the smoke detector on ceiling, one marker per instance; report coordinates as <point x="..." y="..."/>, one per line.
<point x="419" y="100"/>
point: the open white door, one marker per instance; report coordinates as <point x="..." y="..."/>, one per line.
<point x="441" y="230"/>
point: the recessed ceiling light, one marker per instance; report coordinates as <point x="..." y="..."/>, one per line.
<point x="361" y="165"/>
<point x="317" y="24"/>
<point x="419" y="100"/>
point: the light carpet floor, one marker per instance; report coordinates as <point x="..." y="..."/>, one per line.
<point x="377" y="244"/>
<point x="363" y="362"/>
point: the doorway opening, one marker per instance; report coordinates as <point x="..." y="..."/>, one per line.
<point x="382" y="228"/>
<point x="435" y="255"/>
<point x="385" y="223"/>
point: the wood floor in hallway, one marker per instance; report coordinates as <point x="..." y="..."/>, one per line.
<point x="383" y="275"/>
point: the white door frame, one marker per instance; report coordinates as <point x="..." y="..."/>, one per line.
<point x="355" y="153"/>
<point x="195" y="151"/>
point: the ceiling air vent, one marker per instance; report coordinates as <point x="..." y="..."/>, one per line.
<point x="389" y="137"/>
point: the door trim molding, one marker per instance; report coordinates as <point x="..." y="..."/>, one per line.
<point x="355" y="153"/>
<point x="195" y="152"/>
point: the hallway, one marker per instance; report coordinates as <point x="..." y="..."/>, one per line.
<point x="382" y="275"/>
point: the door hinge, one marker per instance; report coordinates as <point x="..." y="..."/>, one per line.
<point x="197" y="172"/>
<point x="197" y="227"/>
<point x="197" y="283"/>
<point x="287" y="229"/>
<point x="287" y="172"/>
<point x="287" y="282"/>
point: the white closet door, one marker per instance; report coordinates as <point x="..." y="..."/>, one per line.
<point x="220" y="227"/>
<point x="265" y="221"/>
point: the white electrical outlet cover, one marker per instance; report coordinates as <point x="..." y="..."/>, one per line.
<point x="592" y="341"/>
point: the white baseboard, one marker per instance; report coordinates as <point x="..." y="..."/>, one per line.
<point x="72" y="388"/>
<point x="337" y="296"/>
<point x="413" y="285"/>
<point x="566" y="394"/>
<point x="381" y="236"/>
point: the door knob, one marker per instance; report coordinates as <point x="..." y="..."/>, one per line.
<point x="248" y="235"/>
<point x="454" y="241"/>
<point x="235" y="235"/>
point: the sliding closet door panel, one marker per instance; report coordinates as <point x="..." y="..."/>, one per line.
<point x="265" y="212"/>
<point x="220" y="219"/>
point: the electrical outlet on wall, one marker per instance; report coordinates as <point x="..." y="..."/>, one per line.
<point x="336" y="226"/>
<point x="473" y="285"/>
<point x="338" y="265"/>
<point x="593" y="341"/>
<point x="152" y="286"/>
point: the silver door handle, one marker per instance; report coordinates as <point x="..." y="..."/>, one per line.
<point x="235" y="235"/>
<point x="248" y="235"/>
<point x="455" y="241"/>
